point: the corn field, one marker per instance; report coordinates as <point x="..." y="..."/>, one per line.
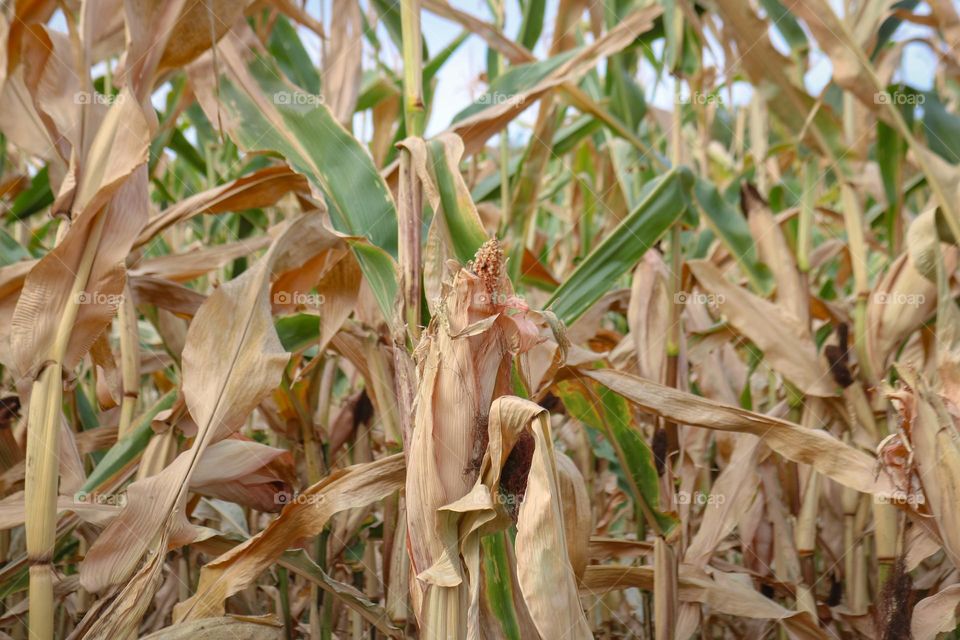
<point x="533" y="319"/>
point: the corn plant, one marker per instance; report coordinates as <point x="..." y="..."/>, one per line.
<point x="656" y="337"/>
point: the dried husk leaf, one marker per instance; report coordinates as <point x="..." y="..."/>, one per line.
<point x="936" y="614"/>
<point x="547" y="578"/>
<point x="119" y="147"/>
<point x="222" y="628"/>
<point x="648" y="315"/>
<point x="783" y="338"/>
<point x="464" y="361"/>
<point x="303" y="518"/>
<point x="722" y="592"/>
<point x="900" y="302"/>
<point x="829" y="456"/>
<point x="464" y="364"/>
<point x="259" y="189"/>
<point x="236" y="322"/>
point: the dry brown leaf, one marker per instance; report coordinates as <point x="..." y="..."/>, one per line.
<point x="792" y="292"/>
<point x="111" y="209"/>
<point x="783" y="338"/>
<point x="183" y="267"/>
<point x="247" y="473"/>
<point x="648" y="315"/>
<point x="936" y="614"/>
<point x="829" y="456"/>
<point x="166" y="295"/>
<point x="738" y="484"/>
<point x="933" y="434"/>
<point x="833" y="37"/>
<point x="544" y="564"/>
<point x="222" y="628"/>
<point x="259" y="189"/>
<point x="303" y="518"/>
<point x="767" y="67"/>
<point x="724" y="593"/>
<point x="192" y="22"/>
<point x="342" y="62"/>
<point x="477" y="129"/>
<point x="235" y="321"/>
<point x="577" y="516"/>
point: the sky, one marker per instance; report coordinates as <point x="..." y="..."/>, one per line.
<point x="459" y="80"/>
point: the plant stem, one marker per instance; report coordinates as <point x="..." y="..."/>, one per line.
<point x="410" y="190"/>
<point x="284" y="586"/>
<point x="413" y="111"/>
<point x="41" y="482"/>
<point x="129" y="360"/>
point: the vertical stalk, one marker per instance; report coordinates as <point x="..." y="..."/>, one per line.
<point x="410" y="195"/>
<point x="410" y="190"/>
<point x="43" y="452"/>
<point x="505" y="176"/>
<point x="806" y="538"/>
<point x="129" y="360"/>
<point x="665" y="596"/>
<point x="808" y="199"/>
<point x="413" y="111"/>
<point x="853" y="221"/>
<point x="284" y="587"/>
<point x="40" y="496"/>
<point x="321" y="621"/>
<point x="676" y="282"/>
<point x="499" y="17"/>
<point x="666" y="602"/>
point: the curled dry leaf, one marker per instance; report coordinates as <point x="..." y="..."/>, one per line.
<point x="303" y="518"/>
<point x="222" y="628"/>
<point x="236" y="322"/>
<point x="649" y="317"/>
<point x="723" y="592"/>
<point x="831" y="457"/>
<point x="783" y="337"/>
<point x="464" y="361"/>
<point x="258" y="189"/>
<point x="936" y="614"/>
<point x="124" y="122"/>
<point x="109" y="202"/>
<point x="476" y="453"/>
<point x="900" y="302"/>
<point x="247" y="473"/>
